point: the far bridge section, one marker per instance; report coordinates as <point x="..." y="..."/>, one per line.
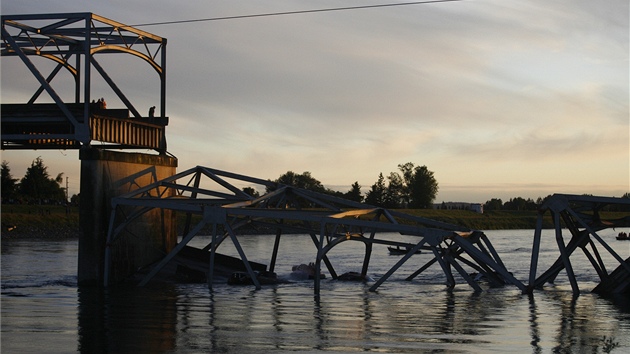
<point x="73" y="41"/>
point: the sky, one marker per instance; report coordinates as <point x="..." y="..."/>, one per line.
<point x="500" y="99"/>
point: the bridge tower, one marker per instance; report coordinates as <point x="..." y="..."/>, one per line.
<point x="104" y="135"/>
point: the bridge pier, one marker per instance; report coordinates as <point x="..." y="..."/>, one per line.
<point x="106" y="174"/>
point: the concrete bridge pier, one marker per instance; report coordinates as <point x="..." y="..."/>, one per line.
<point x="106" y="174"/>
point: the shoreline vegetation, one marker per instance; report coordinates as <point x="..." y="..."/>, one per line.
<point x="57" y="222"/>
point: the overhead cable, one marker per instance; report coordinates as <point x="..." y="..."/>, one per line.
<point x="295" y="12"/>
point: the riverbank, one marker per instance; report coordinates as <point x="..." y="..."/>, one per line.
<point x="39" y="221"/>
<point x="57" y="222"/>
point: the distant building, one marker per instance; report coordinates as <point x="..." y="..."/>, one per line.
<point x="476" y="207"/>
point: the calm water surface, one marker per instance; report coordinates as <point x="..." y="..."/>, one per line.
<point x="44" y="311"/>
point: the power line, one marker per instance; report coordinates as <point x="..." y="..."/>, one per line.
<point x="295" y="12"/>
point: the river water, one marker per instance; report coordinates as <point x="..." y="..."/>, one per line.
<point x="43" y="310"/>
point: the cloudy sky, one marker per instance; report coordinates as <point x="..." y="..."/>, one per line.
<point x="498" y="98"/>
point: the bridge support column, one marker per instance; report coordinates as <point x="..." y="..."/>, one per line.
<point x="106" y="174"/>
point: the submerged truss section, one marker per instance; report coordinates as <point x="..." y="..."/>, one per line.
<point x="580" y="215"/>
<point x="211" y="199"/>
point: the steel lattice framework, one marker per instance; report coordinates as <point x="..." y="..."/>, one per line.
<point x="73" y="41"/>
<point x="580" y="215"/>
<point x="210" y="199"/>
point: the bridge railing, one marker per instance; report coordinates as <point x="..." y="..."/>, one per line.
<point x="136" y="132"/>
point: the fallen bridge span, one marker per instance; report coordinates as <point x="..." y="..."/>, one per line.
<point x="211" y="200"/>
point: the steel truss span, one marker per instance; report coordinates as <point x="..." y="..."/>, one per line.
<point x="211" y="199"/>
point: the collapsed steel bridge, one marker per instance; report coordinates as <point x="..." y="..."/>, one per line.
<point x="210" y="198"/>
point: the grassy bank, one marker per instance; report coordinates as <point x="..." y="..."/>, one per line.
<point x="57" y="222"/>
<point x="45" y="221"/>
<point x="491" y="220"/>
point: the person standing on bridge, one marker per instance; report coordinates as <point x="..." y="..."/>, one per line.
<point x="101" y="104"/>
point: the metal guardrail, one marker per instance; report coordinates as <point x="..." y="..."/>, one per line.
<point x="128" y="132"/>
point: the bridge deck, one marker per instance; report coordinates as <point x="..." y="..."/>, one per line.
<point x="47" y="126"/>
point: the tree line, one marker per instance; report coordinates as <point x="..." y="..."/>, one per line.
<point x="36" y="187"/>
<point x="410" y="187"/>
<point x="519" y="203"/>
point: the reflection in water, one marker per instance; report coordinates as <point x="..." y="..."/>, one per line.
<point x="582" y="328"/>
<point x="127" y="319"/>
<point x="533" y="325"/>
<point x="577" y="324"/>
<point x="346" y="317"/>
<point x="403" y="317"/>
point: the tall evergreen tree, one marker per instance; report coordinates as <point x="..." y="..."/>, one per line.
<point x="38" y="187"/>
<point x="376" y="194"/>
<point x="354" y="193"/>
<point x="9" y="184"/>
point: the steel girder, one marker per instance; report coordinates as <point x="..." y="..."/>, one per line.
<point x="211" y="197"/>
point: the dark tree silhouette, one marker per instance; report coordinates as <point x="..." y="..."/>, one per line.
<point x="396" y="192"/>
<point x="376" y="194"/>
<point x="416" y="187"/>
<point x="304" y="181"/>
<point x="37" y="187"/>
<point x="422" y="187"/>
<point x="9" y="184"/>
<point x="354" y="193"/>
<point x="493" y="204"/>
<point x="251" y="191"/>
